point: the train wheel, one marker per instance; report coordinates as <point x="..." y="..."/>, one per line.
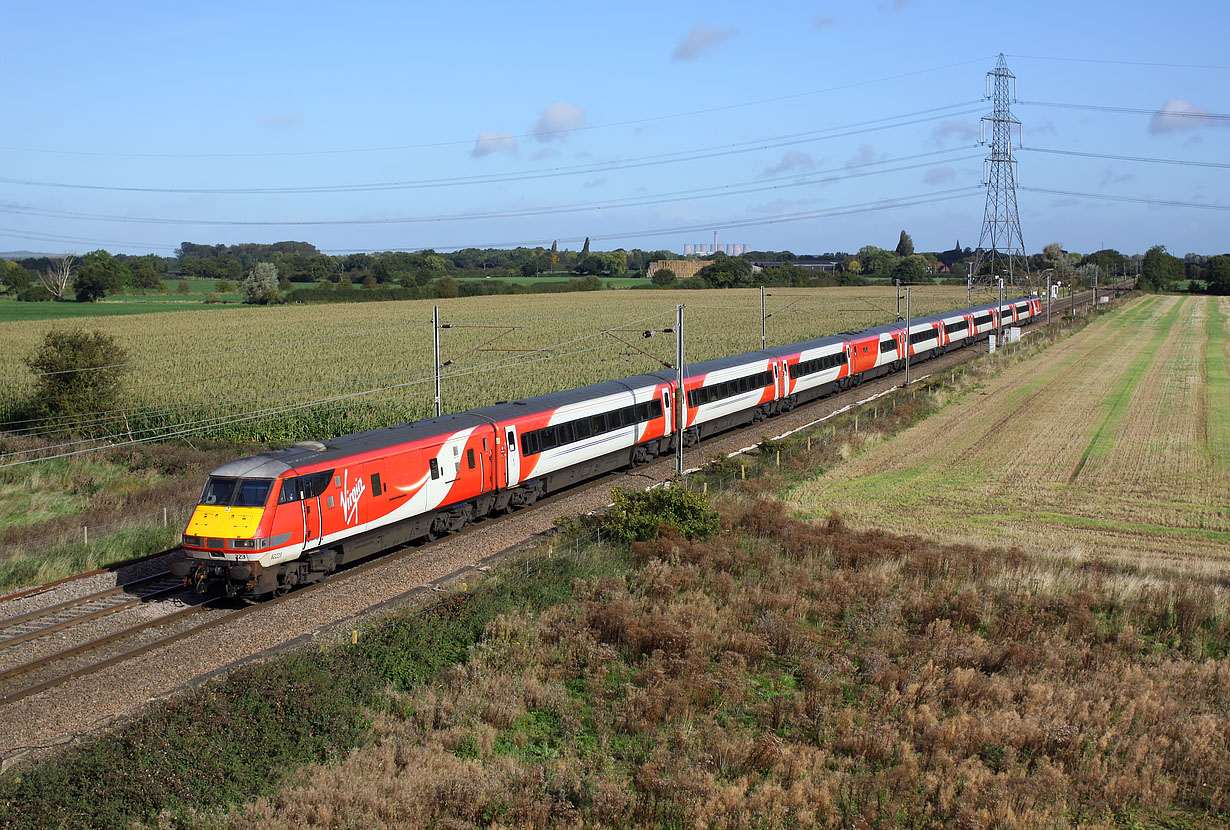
<point x="437" y="528"/>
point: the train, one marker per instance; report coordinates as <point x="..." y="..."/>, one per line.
<point x="289" y="517"/>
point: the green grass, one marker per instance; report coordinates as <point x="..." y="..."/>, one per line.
<point x="1217" y="387"/>
<point x="1105" y="436"/>
<point x="12" y="311"/>
<point x="61" y="487"/>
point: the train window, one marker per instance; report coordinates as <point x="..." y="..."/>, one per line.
<point x="485" y="449"/>
<point x="314" y="484"/>
<point x="376" y="484"/>
<point x="642" y="412"/>
<point x="529" y="443"/>
<point x="290" y="491"/>
<point x="218" y="491"/>
<point x="512" y="441"/>
<point x="435" y="468"/>
<point x="252" y="492"/>
<point x="546" y="438"/>
<point x="887" y="346"/>
<point x="655" y="408"/>
<point x="470" y="458"/>
<point x="582" y="429"/>
<point x="563" y="434"/>
<point x="597" y="424"/>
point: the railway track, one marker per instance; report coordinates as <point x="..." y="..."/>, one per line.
<point x="47" y="670"/>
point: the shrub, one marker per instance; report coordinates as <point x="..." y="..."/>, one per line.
<point x="637" y="516"/>
<point x="34" y="294"/>
<point x="75" y="372"/>
<point x="184" y="287"/>
<point x="663" y="276"/>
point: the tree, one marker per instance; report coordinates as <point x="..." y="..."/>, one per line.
<point x="56" y="276"/>
<point x="726" y="272"/>
<point x="99" y="273"/>
<point x="910" y="269"/>
<point x="1053" y="257"/>
<point x="663" y="276"/>
<point x="1159" y="269"/>
<point x="13" y="278"/>
<point x="585" y="247"/>
<point x="1217" y="275"/>
<point x="905" y="245"/>
<point x="76" y="372"/>
<point x="260" y="287"/>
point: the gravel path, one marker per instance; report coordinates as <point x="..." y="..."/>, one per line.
<point x="87" y="704"/>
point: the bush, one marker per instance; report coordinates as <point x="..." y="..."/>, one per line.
<point x="183" y="287"/>
<point x="638" y="516"/>
<point x="76" y="372"/>
<point x="34" y="294"/>
<point x="663" y="276"/>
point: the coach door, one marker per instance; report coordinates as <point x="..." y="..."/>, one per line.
<point x="668" y="414"/>
<point x="513" y="461"/>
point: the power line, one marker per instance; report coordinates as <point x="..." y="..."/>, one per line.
<point x="1204" y="116"/>
<point x="1134" y="199"/>
<point x="1148" y="159"/>
<point x="797" y="216"/>
<point x="470" y="141"/>
<point x="1122" y="63"/>
<point x="674" y="157"/>
<point x="732" y="189"/>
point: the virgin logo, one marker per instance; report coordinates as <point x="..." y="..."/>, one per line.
<point x="350" y="496"/>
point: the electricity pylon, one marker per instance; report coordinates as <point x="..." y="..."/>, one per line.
<point x="1001" y="248"/>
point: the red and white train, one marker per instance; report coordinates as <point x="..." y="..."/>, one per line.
<point x="283" y="518"/>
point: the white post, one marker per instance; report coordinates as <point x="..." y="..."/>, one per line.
<point x="763" y="339"/>
<point x="681" y="400"/>
<point x="435" y="344"/>
<point x="907" y="336"/>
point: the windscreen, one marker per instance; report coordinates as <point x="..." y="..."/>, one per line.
<point x="236" y="492"/>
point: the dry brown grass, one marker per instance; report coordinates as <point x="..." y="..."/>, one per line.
<point x="800" y="674"/>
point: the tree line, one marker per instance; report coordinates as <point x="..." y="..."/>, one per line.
<point x="280" y="265"/>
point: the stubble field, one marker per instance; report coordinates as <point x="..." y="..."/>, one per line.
<point x="1113" y="445"/>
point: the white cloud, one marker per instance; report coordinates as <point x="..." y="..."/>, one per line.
<point x="940" y="175"/>
<point x="1177" y="115"/>
<point x="950" y="129"/>
<point x="285" y="121"/>
<point x="702" y="38"/>
<point x="865" y="155"/>
<point x="493" y="141"/>
<point x="556" y="120"/>
<point x="791" y="161"/>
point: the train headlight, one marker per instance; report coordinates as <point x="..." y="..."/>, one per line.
<point x="248" y="544"/>
<point x="194" y="541"/>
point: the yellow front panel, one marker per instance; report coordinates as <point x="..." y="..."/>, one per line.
<point x="224" y="522"/>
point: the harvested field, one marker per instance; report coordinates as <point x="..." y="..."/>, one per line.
<point x="1111" y="445"/>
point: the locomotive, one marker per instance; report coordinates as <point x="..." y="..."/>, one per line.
<point x="284" y="518"/>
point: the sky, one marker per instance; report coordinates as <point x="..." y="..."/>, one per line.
<point x="812" y="127"/>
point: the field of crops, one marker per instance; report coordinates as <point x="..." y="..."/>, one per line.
<point x="1114" y="444"/>
<point x="292" y="372"/>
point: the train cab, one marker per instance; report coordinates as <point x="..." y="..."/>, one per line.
<point x="242" y="523"/>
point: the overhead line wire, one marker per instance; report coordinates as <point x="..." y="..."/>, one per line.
<point x="1147" y="159"/>
<point x="738" y="188"/>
